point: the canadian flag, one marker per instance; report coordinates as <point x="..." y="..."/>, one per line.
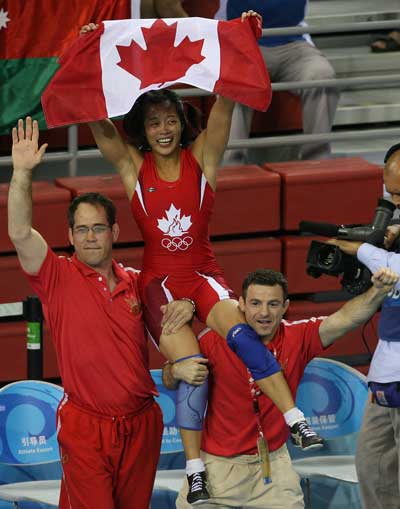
<point x="103" y="73"/>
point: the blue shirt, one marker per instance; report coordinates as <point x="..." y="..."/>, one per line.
<point x="276" y="14"/>
<point x="385" y="364"/>
<point x="375" y="258"/>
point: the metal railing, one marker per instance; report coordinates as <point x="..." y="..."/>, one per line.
<point x="333" y="28"/>
<point x="73" y="154"/>
<point x="386" y="79"/>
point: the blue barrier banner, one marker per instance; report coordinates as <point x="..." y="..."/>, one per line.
<point x="332" y="397"/>
<point x="171" y="440"/>
<point x="28" y="422"/>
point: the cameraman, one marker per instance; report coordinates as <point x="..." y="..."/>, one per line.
<point x="378" y="450"/>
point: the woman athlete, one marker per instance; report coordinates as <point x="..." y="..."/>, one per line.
<point x="170" y="179"/>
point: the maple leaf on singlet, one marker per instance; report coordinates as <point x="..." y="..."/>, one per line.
<point x="161" y="61"/>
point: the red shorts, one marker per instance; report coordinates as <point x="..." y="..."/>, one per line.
<point x="108" y="462"/>
<point x="204" y="289"/>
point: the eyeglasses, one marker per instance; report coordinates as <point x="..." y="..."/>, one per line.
<point x="97" y="229"/>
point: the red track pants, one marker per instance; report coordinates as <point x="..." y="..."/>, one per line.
<point x="108" y="462"/>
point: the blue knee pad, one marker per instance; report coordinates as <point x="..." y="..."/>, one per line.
<point x="246" y="343"/>
<point x="191" y="403"/>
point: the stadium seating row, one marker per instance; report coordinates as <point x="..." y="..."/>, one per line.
<point x="13" y="361"/>
<point x="237" y="257"/>
<point x="250" y="199"/>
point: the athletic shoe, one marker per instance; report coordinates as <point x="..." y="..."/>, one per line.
<point x="197" y="488"/>
<point x="305" y="437"/>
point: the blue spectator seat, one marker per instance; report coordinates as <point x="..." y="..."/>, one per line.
<point x="332" y="397"/>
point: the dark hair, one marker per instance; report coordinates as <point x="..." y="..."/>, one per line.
<point x="93" y="199"/>
<point x="391" y="151"/>
<point x="265" y="277"/>
<point x="133" y="122"/>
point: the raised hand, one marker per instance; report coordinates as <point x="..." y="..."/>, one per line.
<point x="250" y="14"/>
<point x="26" y="153"/>
<point x="88" y="28"/>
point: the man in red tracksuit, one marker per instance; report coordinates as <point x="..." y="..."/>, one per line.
<point x="109" y="426"/>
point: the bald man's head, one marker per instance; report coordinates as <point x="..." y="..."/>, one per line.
<point x="391" y="174"/>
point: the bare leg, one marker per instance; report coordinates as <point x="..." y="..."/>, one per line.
<point x="191" y="443"/>
<point x="180" y="344"/>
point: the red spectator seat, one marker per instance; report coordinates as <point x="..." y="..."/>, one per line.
<point x="49" y="217"/>
<point x="111" y="186"/>
<point x="247" y="201"/>
<point x="339" y="191"/>
<point x="13" y="360"/>
<point x="352" y="342"/>
<point x="284" y="114"/>
<point x="14" y="285"/>
<point x="295" y="251"/>
<point x="238" y="257"/>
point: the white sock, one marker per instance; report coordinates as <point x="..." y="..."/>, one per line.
<point x="193" y="466"/>
<point x="293" y="415"/>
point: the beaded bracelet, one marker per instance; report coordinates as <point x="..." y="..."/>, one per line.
<point x="191" y="302"/>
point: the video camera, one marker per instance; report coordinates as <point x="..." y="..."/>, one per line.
<point x="328" y="259"/>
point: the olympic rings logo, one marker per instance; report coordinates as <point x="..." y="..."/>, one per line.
<point x="177" y="243"/>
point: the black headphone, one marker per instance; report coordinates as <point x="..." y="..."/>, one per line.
<point x="391" y="151"/>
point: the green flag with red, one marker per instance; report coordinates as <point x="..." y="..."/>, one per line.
<point x="33" y="34"/>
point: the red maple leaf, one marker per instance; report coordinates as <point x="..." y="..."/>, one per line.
<point x="161" y="61"/>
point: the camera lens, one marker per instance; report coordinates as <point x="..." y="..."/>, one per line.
<point x="329" y="257"/>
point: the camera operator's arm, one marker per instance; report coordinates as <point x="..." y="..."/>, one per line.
<point x="349" y="247"/>
<point x="369" y="255"/>
<point x="360" y="309"/>
<point x="375" y="257"/>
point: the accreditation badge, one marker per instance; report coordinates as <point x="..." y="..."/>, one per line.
<point x="263" y="455"/>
